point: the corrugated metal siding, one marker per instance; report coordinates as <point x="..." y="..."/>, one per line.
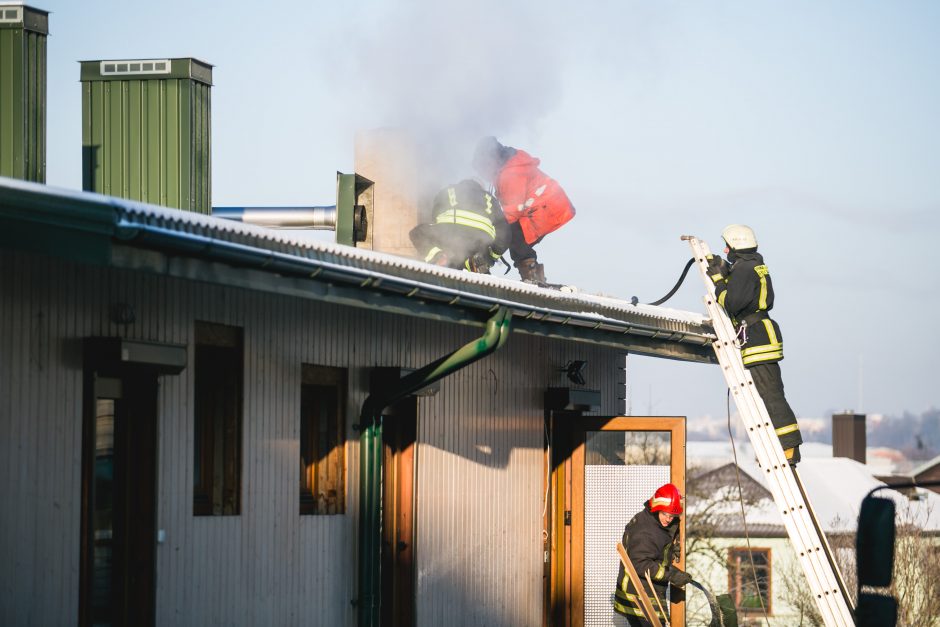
<point x="481" y="483"/>
<point x="23" y="94"/>
<point x="479" y="469"/>
<point x="148" y="140"/>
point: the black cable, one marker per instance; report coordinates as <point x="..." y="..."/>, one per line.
<point x="747" y="535"/>
<point x="675" y="288"/>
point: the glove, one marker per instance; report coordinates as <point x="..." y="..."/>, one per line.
<point x="718" y="268"/>
<point x="679" y="578"/>
<point x="479" y="263"/>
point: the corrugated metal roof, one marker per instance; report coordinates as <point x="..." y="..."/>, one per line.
<point x="97" y="224"/>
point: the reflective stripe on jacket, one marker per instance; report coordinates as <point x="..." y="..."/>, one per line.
<point x="652" y="548"/>
<point x="747" y="295"/>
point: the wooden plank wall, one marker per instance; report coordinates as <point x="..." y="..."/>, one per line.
<point x="479" y="460"/>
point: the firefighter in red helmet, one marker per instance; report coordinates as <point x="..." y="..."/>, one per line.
<point x="651" y="539"/>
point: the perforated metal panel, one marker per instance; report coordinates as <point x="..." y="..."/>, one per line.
<point x="612" y="495"/>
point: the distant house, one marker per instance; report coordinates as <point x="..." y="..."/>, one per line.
<point x="722" y="558"/>
<point x="928" y="471"/>
<point x="194" y="427"/>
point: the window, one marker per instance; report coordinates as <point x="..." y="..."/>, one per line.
<point x="322" y="440"/>
<point x="749" y="585"/>
<point x="217" y="471"/>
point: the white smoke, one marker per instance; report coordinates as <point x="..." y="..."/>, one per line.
<point x="450" y="73"/>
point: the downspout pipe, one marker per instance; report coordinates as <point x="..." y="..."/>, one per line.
<point x="370" y="455"/>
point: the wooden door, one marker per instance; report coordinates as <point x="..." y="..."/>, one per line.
<point x="603" y="470"/>
<point x="399" y="434"/>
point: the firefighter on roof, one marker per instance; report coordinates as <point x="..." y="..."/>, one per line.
<point x="651" y="539"/>
<point x="468" y="230"/>
<point x="746" y="292"/>
<point x="534" y="203"/>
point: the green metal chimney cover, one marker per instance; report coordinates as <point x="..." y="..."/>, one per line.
<point x="146" y="69"/>
<point x="18" y="15"/>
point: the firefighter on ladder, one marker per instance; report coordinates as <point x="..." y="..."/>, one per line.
<point x="651" y="539"/>
<point x="746" y="292"/>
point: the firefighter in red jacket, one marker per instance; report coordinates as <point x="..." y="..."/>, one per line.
<point x="534" y="203"/>
<point x="746" y="292"/>
<point x="651" y="539"/>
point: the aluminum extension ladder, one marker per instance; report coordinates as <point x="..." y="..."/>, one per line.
<point x="810" y="544"/>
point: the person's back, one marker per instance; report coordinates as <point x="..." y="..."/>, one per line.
<point x="745" y="289"/>
<point x="468" y="229"/>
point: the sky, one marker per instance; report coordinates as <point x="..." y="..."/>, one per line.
<point x="816" y="123"/>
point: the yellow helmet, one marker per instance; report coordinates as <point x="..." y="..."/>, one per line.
<point x="739" y="237"/>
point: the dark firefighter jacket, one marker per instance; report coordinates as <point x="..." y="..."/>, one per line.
<point x="652" y="548"/>
<point x="466" y="221"/>
<point x="747" y="295"/>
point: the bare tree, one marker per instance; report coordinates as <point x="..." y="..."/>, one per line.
<point x="915" y="582"/>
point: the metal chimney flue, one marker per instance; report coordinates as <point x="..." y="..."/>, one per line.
<point x="848" y="436"/>
<point x="23" y="32"/>
<point x="146" y="132"/>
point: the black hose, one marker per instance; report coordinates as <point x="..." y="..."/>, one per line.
<point x="675" y="287"/>
<point x="718" y="617"/>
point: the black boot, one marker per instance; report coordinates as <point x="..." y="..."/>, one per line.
<point x="531" y="271"/>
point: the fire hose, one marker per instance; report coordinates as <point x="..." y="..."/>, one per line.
<point x="674" y="289"/>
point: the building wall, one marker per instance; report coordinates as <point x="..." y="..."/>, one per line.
<point x="480" y="469"/>
<point x="787" y="581"/>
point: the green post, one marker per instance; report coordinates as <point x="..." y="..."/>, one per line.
<point x="146" y="132"/>
<point x="23" y="32"/>
<point x="370" y="455"/>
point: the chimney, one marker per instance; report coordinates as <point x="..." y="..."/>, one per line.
<point x="848" y="435"/>
<point x="389" y="157"/>
<point x="146" y="131"/>
<point x="23" y="32"/>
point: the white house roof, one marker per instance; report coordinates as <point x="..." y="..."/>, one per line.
<point x="835" y="488"/>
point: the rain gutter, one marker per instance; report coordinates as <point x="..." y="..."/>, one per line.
<point x="370" y="455"/>
<point x="271" y="260"/>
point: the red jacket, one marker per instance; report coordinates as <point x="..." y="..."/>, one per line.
<point x="531" y="198"/>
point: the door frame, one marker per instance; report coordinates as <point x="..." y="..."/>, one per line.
<point x="399" y="435"/>
<point x="566" y="578"/>
<point x="134" y="496"/>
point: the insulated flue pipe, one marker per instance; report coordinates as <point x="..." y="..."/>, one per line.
<point x="315" y="218"/>
<point x="370" y="455"/>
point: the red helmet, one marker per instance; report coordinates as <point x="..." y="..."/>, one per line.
<point x="667" y="499"/>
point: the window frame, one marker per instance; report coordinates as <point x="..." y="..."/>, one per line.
<point x="738" y="555"/>
<point x="326" y="456"/>
<point x="218" y="492"/>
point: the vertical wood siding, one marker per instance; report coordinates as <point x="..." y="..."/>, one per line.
<point x="479" y="474"/>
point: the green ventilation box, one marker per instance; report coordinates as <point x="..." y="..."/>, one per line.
<point x="23" y="32"/>
<point x="146" y="132"/>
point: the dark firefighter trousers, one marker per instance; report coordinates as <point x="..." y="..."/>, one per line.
<point x="769" y="385"/>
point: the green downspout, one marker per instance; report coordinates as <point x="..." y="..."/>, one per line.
<point x="370" y="456"/>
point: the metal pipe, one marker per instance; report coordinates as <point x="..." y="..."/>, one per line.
<point x="314" y="218"/>
<point x="370" y="455"/>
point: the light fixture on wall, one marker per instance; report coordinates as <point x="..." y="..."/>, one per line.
<point x="122" y="313"/>
<point x="574" y="370"/>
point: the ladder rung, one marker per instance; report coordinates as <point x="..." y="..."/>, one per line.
<point x="799" y="519"/>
